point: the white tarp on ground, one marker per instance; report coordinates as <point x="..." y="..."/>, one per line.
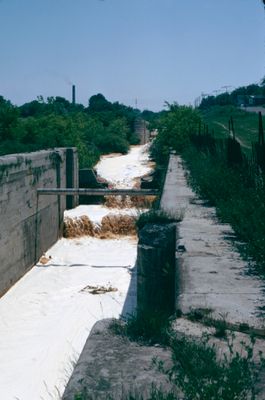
<point x="46" y="317"/>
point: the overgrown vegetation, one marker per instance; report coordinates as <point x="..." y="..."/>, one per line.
<point x="145" y="327"/>
<point x="174" y="126"/>
<point x="199" y="371"/>
<point x="102" y="127"/>
<point x="236" y="189"/>
<point x="238" y="199"/>
<point x="201" y="375"/>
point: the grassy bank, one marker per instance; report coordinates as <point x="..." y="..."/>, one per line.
<point x="245" y="123"/>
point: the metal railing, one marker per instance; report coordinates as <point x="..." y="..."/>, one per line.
<point x="97" y="192"/>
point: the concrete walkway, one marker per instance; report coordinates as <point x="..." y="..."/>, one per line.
<point x="112" y="365"/>
<point x="212" y="274"/>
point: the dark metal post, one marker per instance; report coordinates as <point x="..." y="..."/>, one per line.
<point x="261" y="132"/>
<point x="73" y="94"/>
<point x="69" y="176"/>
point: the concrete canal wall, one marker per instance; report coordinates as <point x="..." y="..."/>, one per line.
<point x="30" y="224"/>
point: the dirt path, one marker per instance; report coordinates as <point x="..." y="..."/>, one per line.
<point x="255" y="109"/>
<point x="237" y="138"/>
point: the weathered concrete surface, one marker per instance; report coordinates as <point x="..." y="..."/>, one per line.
<point x="141" y="130"/>
<point x="238" y="340"/>
<point x="112" y="365"/>
<point x="30" y="224"/>
<point x="156" y="286"/>
<point x="212" y="274"/>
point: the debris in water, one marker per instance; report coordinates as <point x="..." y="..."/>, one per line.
<point x="98" y="289"/>
<point x="44" y="260"/>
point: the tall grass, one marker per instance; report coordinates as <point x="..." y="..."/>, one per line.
<point x="201" y="375"/>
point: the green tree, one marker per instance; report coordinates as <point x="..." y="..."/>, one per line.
<point x="115" y="138"/>
<point x="8" y="119"/>
<point x="174" y="130"/>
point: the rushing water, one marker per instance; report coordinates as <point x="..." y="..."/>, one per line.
<point x="46" y="317"/>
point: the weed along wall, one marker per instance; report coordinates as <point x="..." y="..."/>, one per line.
<point x="31" y="223"/>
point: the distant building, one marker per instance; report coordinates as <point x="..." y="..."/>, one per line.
<point x="247" y="100"/>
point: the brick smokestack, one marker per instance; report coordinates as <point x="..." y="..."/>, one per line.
<point x="73" y="94"/>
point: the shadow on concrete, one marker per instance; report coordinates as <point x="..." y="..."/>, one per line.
<point x="130" y="304"/>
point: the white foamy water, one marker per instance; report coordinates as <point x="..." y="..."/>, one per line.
<point x="122" y="170"/>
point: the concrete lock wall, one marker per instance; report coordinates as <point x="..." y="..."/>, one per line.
<point x="141" y="130"/>
<point x="31" y="223"/>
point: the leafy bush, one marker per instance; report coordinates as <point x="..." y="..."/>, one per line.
<point x="174" y="129"/>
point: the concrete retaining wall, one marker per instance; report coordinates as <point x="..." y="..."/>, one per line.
<point x="156" y="270"/>
<point x="141" y="130"/>
<point x="30" y="224"/>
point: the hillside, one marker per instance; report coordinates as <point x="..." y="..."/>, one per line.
<point x="245" y="123"/>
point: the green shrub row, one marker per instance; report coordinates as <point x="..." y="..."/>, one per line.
<point x="102" y="127"/>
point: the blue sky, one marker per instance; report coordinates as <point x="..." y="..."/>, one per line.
<point x="152" y="50"/>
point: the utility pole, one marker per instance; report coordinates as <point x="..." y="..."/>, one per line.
<point x="226" y="87"/>
<point x="216" y="92"/>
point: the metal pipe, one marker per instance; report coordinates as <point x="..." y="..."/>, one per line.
<point x="98" y="192"/>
